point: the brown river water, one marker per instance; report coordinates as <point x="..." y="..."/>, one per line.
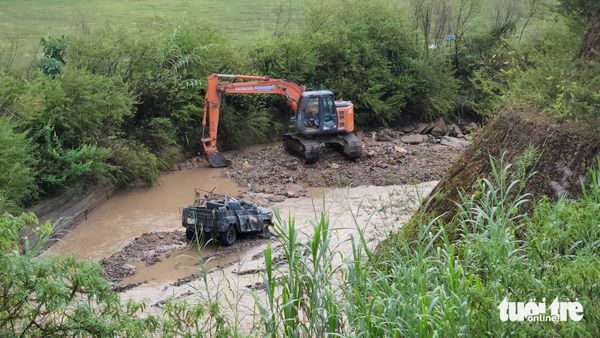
<point x="130" y="214"/>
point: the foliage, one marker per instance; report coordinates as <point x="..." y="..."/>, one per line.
<point x="362" y="53"/>
<point x="61" y="167"/>
<point x="579" y="11"/>
<point x="538" y="75"/>
<point x="448" y="279"/>
<point x="79" y="111"/>
<point x="54" y="55"/>
<point x="164" y="67"/>
<point x="16" y="165"/>
<point x="133" y="162"/>
<point x="56" y="296"/>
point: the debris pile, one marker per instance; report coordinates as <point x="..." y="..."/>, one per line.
<point x="410" y="154"/>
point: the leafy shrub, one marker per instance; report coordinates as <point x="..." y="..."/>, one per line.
<point x="363" y="53"/>
<point x="16" y="165"/>
<point x="543" y="71"/>
<point x="133" y="162"/>
<point x="54" y="55"/>
<point x="60" y="167"/>
<point x="164" y="66"/>
<point x="82" y="107"/>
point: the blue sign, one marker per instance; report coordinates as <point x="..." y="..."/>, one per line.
<point x="451" y="38"/>
<point x="271" y="87"/>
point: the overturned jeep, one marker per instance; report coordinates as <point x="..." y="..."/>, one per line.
<point x="223" y="217"/>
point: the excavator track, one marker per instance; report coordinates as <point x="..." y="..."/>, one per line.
<point x="310" y="148"/>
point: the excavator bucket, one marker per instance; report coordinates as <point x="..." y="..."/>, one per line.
<point x="217" y="160"/>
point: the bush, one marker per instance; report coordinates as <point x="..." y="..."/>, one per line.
<point x="133" y="162"/>
<point x="16" y="165"/>
<point x="544" y="74"/>
<point x="363" y="53"/>
<point x="82" y="107"/>
<point x="165" y="67"/>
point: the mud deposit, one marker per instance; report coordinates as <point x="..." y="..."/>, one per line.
<point x="162" y="257"/>
<point x="272" y="170"/>
<point x="148" y="249"/>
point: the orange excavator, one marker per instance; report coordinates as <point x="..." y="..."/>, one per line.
<point x="317" y="117"/>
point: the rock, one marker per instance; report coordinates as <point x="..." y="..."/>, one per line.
<point x="423" y="128"/>
<point x="293" y="190"/>
<point x="454" y="130"/>
<point x="385" y="135"/>
<point x="129" y="267"/>
<point x="439" y="128"/>
<point x="408" y="129"/>
<point x="454" y="142"/>
<point x="334" y="166"/>
<point x="471" y="128"/>
<point x="371" y="153"/>
<point x="246" y="166"/>
<point x="400" y="150"/>
<point x="276" y="198"/>
<point x="413" y="139"/>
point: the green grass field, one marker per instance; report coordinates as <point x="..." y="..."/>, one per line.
<point x="25" y="22"/>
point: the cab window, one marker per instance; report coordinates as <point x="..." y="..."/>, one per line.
<point x="311" y="112"/>
<point x="329" y="113"/>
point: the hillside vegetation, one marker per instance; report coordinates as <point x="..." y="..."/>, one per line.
<point x="119" y="104"/>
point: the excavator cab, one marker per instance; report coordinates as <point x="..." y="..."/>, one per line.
<point x="317" y="113"/>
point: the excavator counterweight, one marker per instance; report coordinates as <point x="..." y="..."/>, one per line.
<point x="318" y="118"/>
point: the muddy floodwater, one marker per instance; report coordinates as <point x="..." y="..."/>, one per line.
<point x="139" y="232"/>
<point x="133" y="213"/>
<point x="130" y="214"/>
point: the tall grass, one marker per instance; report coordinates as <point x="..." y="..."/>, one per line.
<point x="441" y="285"/>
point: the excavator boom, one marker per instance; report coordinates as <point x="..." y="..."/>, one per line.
<point x="248" y="85"/>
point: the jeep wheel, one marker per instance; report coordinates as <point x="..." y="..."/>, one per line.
<point x="228" y="237"/>
<point x="192" y="234"/>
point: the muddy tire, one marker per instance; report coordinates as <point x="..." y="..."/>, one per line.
<point x="228" y="237"/>
<point x="190" y="234"/>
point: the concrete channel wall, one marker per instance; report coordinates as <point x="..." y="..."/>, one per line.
<point x="68" y="210"/>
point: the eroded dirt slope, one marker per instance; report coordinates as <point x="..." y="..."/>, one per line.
<point x="567" y="149"/>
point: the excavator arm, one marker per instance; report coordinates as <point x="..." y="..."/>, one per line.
<point x="238" y="84"/>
